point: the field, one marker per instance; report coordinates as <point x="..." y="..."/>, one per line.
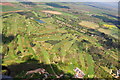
<point x="7" y="4"/>
<point x="89" y="24"/>
<point x="52" y="12"/>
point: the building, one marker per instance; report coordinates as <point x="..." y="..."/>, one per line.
<point x="79" y="73"/>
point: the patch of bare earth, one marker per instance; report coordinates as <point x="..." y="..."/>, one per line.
<point x="52" y="12"/>
<point x="6" y="4"/>
<point x="50" y="27"/>
<point x="50" y="7"/>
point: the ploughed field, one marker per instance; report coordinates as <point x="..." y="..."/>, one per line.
<point x="52" y="12"/>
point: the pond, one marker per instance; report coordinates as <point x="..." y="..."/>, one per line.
<point x="40" y="21"/>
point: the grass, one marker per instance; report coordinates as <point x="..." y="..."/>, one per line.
<point x="63" y="50"/>
<point x="90" y="64"/>
<point x="106" y="31"/>
<point x="82" y="61"/>
<point x="67" y="14"/>
<point x="45" y="54"/>
<point x="20" y="47"/>
<point x="8" y="8"/>
<point x="106" y="69"/>
<point x="66" y="48"/>
<point x="57" y="46"/>
<point x="56" y="37"/>
<point x="114" y="32"/>
<point x="59" y="18"/>
<point x="33" y="53"/>
<point x="89" y="24"/>
<point x="48" y="31"/>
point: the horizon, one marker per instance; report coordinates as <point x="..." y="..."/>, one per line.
<point x="59" y="0"/>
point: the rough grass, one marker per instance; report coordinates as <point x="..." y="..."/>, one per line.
<point x="106" y="31"/>
<point x="90" y="64"/>
<point x="89" y="24"/>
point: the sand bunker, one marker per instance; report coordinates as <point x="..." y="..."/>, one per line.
<point x="52" y="12"/>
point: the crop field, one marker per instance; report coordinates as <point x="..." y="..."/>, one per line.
<point x="52" y="12"/>
<point x="89" y="24"/>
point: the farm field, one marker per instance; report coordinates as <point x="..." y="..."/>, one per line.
<point x="59" y="37"/>
<point x="52" y="12"/>
<point x="89" y="24"/>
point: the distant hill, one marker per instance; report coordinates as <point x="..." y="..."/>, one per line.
<point x="105" y="5"/>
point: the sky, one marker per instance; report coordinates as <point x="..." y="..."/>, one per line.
<point x="62" y="0"/>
